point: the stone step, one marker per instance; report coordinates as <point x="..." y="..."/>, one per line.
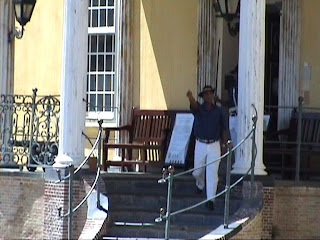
<point x="184" y="186"/>
<point x="151" y="203"/>
<point x="157" y="232"/>
<point x="189" y="219"/>
<point x="130" y="238"/>
<point x="135" y="201"/>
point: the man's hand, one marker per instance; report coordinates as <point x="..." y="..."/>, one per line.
<point x="189" y="94"/>
<point x="193" y="103"/>
<point x="225" y="146"/>
<point x="223" y="149"/>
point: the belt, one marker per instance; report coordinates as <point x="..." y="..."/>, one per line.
<point x="206" y="141"/>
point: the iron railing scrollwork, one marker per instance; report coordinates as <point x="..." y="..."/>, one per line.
<point x="45" y="131"/>
<point x="29" y="129"/>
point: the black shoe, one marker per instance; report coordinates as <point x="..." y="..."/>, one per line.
<point x="210" y="205"/>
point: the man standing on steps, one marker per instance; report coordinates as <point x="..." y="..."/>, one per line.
<point x="210" y="131"/>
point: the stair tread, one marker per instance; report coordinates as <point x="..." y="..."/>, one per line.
<point x="130" y="238"/>
<point x="158" y="226"/>
<point x="205" y="212"/>
<point x="150" y="195"/>
<point x="135" y="201"/>
<point x="157" y="231"/>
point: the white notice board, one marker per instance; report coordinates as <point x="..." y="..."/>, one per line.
<point x="179" y="141"/>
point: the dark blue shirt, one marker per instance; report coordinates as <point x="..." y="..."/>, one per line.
<point x="209" y="124"/>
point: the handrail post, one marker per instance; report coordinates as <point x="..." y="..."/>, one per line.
<point x="99" y="162"/>
<point x="33" y="113"/>
<point x="71" y="173"/>
<point x="227" y="196"/>
<point x="300" y="110"/>
<point x="253" y="150"/>
<point x="167" y="228"/>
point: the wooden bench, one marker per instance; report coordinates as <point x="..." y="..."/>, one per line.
<point x="146" y="138"/>
<point x="280" y="156"/>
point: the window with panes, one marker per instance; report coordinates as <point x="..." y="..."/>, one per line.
<point x="101" y="84"/>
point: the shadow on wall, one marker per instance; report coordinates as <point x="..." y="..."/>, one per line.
<point x="21" y="207"/>
<point x="171" y="51"/>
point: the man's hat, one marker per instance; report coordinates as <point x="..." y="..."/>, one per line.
<point x="206" y="89"/>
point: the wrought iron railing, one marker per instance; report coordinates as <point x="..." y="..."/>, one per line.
<point x="29" y="129"/>
<point x="169" y="176"/>
<point x="296" y="112"/>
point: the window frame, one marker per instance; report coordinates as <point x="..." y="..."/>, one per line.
<point x="109" y="116"/>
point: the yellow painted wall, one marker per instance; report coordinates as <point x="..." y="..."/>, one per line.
<point x="165" y="51"/>
<point x="310" y="46"/>
<point x="38" y="53"/>
<point x="165" y="61"/>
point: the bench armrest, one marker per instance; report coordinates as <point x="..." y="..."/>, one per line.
<point x="107" y="131"/>
<point x="125" y="127"/>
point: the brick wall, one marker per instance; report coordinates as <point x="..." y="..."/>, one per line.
<point x="29" y="210"/>
<point x="297" y="214"/>
<point x="29" y="207"/>
<point x="260" y="226"/>
<point x="55" y="198"/>
<point x="267" y="212"/>
<point x="252" y="230"/>
<point x="290" y="211"/>
<point x="21" y="207"/>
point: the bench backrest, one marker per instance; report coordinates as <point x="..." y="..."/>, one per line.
<point x="310" y="128"/>
<point x="153" y="127"/>
<point x="150" y="125"/>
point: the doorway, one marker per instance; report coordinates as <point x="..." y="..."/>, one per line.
<point x="272" y="63"/>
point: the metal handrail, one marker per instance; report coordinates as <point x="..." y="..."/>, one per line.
<point x="95" y="184"/>
<point x="86" y="158"/>
<point x="209" y="163"/>
<point x="87" y="196"/>
<point x="168" y="214"/>
<point x="87" y="137"/>
<point x="298" y="143"/>
<point x="217" y="195"/>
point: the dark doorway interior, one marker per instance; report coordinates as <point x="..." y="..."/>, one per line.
<point x="272" y="63"/>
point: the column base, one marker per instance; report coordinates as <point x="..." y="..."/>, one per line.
<point x="62" y="161"/>
<point x="241" y="167"/>
<point x="257" y="171"/>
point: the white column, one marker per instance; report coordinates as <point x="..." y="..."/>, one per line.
<point x="6" y="47"/>
<point x="73" y="83"/>
<point x="251" y="82"/>
<point x="6" y="75"/>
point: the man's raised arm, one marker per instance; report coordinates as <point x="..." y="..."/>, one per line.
<point x="194" y="105"/>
